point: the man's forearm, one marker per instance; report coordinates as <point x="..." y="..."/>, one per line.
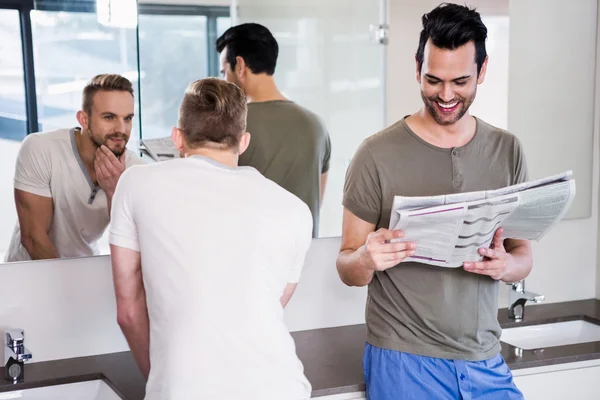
<point x="519" y="264"/>
<point x="39" y="247"/>
<point x="137" y="332"/>
<point x="351" y="270"/>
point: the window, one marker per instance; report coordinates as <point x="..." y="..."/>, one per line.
<point x="223" y="23"/>
<point x="177" y="46"/>
<point x="13" y="114"/>
<point x="69" y="49"/>
<point x="173" y="52"/>
<point x="69" y="45"/>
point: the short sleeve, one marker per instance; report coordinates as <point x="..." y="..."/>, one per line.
<point x="33" y="170"/>
<point x="303" y="241"/>
<point x="327" y="155"/>
<point x="123" y="230"/>
<point x="521" y="174"/>
<point x="362" y="189"/>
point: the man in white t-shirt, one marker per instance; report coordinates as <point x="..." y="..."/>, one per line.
<point x="65" y="179"/>
<point x="205" y="255"/>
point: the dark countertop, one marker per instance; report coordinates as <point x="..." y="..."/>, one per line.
<point x="332" y="357"/>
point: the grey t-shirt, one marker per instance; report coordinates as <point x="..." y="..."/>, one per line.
<point x="290" y="146"/>
<point x="413" y="307"/>
<point x="49" y="165"/>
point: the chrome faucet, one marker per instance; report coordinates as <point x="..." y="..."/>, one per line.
<point x="15" y="354"/>
<point x="517" y="297"/>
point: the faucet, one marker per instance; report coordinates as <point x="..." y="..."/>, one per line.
<point x="518" y="297"/>
<point x="15" y="354"/>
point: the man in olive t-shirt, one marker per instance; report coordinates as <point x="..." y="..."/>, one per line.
<point x="289" y="144"/>
<point x="432" y="332"/>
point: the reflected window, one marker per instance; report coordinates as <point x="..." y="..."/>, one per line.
<point x="223" y="23"/>
<point x="173" y="53"/>
<point x="69" y="49"/>
<point x="13" y="115"/>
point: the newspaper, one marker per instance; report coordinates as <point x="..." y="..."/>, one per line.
<point x="449" y="229"/>
<point x="161" y="149"/>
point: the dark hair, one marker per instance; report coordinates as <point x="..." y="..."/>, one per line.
<point x="254" y="43"/>
<point x="450" y="26"/>
<point x="213" y="114"/>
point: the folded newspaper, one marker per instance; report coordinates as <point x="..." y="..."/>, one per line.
<point x="449" y="229"/>
<point x="161" y="149"/>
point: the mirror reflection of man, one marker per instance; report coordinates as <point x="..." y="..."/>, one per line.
<point x="65" y="179"/>
<point x="290" y="144"/>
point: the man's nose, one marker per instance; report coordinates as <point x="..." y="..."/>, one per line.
<point x="447" y="94"/>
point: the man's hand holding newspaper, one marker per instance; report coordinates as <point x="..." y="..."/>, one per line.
<point x="497" y="259"/>
<point x="382" y="250"/>
<point x="454" y="230"/>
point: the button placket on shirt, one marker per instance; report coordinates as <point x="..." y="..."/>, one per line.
<point x="457" y="178"/>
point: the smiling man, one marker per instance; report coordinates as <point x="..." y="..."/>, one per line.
<point x="65" y="179"/>
<point x="433" y="332"/>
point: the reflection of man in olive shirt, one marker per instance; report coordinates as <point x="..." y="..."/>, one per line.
<point x="289" y="144"/>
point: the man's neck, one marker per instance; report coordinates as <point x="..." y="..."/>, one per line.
<point x="447" y="136"/>
<point x="86" y="147"/>
<point x="262" y="88"/>
<point x="225" y="157"/>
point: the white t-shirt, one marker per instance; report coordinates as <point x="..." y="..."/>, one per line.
<point x="218" y="246"/>
<point x="49" y="165"/>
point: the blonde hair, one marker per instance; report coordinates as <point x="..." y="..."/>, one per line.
<point x="213" y="114"/>
<point x="107" y="82"/>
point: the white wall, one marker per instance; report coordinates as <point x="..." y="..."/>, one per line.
<point x="551" y="108"/>
<point x="66" y="307"/>
<point x="551" y="95"/>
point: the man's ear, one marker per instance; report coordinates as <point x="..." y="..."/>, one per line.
<point x="83" y="119"/>
<point x="482" y="72"/>
<point x="178" y="140"/>
<point x="244" y="142"/>
<point x="418" y="70"/>
<point x="240" y="67"/>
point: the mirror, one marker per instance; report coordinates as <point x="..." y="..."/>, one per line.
<point x="333" y="60"/>
<point x="73" y="41"/>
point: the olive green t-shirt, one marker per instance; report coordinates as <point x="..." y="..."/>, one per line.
<point x="290" y="146"/>
<point x="417" y="308"/>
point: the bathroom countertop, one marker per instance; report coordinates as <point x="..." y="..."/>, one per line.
<point x="332" y="357"/>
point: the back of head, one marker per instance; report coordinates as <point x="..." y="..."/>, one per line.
<point x="103" y="82"/>
<point x="254" y="43"/>
<point x="213" y="114"/>
<point x="450" y="26"/>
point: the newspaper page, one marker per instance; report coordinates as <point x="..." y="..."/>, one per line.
<point x="161" y="149"/>
<point x="541" y="208"/>
<point x="449" y="229"/>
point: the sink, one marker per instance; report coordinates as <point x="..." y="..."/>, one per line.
<point x="550" y="335"/>
<point x="90" y="390"/>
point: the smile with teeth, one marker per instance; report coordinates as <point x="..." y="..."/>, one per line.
<point x="447" y="107"/>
